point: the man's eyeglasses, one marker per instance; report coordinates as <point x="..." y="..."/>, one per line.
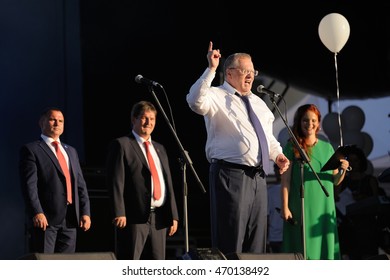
<point x="246" y="72"/>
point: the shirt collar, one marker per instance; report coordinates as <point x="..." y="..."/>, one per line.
<point x="141" y="140"/>
<point x="48" y="140"/>
<point x="231" y="90"/>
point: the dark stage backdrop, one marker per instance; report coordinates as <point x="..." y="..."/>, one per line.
<point x="40" y="66"/>
<point x="146" y="38"/>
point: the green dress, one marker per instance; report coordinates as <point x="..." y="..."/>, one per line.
<point x="321" y="236"/>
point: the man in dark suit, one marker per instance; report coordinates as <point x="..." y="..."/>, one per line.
<point x="137" y="214"/>
<point x="53" y="217"/>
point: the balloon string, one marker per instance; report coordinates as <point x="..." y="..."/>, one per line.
<point x="338" y="99"/>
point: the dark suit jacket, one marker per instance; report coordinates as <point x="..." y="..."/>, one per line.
<point x="44" y="184"/>
<point x="129" y="182"/>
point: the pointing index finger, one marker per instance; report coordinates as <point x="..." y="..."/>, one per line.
<point x="210" y="46"/>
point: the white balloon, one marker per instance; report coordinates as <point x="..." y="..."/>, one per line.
<point x="368" y="143"/>
<point x="370" y="168"/>
<point x="353" y="118"/>
<point x="334" y="31"/>
<point x="330" y="125"/>
<point x="354" y="138"/>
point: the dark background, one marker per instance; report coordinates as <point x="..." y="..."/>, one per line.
<point x="83" y="55"/>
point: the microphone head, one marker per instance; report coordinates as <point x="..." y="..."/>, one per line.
<point x="138" y="78"/>
<point x="260" y="89"/>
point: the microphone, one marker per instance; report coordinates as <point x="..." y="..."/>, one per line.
<point x="291" y="221"/>
<point x="262" y="89"/>
<point x="141" y="80"/>
<point x="342" y="170"/>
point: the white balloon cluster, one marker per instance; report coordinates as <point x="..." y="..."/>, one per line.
<point x="352" y="122"/>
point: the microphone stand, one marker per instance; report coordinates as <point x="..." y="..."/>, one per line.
<point x="304" y="159"/>
<point x="185" y="160"/>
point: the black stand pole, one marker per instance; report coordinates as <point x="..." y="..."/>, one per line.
<point x="302" y="194"/>
<point x="304" y="159"/>
<point x="185" y="161"/>
<point x="185" y="207"/>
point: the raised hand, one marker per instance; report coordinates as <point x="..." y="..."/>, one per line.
<point x="213" y="57"/>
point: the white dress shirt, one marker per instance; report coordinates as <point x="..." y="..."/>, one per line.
<point x="140" y="140"/>
<point x="230" y="133"/>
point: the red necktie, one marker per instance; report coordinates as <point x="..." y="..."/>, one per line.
<point x="153" y="170"/>
<point x="65" y="170"/>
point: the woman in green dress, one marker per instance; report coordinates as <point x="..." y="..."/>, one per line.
<point x="321" y="236"/>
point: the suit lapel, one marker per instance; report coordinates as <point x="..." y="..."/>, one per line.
<point x="50" y="154"/>
<point x="54" y="159"/>
<point x="161" y="156"/>
<point x="71" y="157"/>
<point x="137" y="149"/>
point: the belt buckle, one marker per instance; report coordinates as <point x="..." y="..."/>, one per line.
<point x="257" y="169"/>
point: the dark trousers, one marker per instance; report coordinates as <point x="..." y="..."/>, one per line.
<point x="134" y="241"/>
<point x="59" y="238"/>
<point x="238" y="205"/>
